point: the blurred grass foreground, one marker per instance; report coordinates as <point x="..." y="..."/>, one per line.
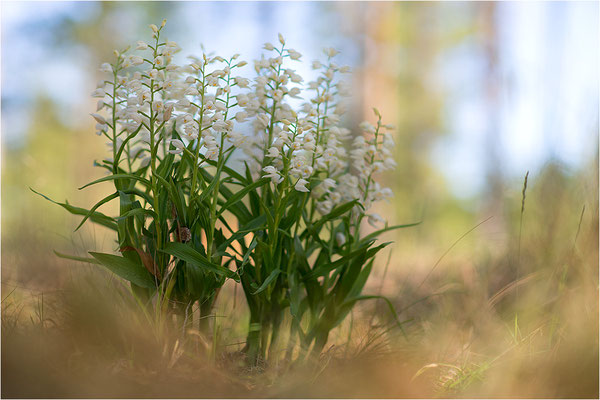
<point x="497" y="288"/>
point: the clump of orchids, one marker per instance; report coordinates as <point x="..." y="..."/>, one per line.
<point x="221" y="177"/>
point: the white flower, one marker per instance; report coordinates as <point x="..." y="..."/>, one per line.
<point x="185" y="119"/>
<point x="241" y="116"/>
<point x="212" y="153"/>
<point x="157" y="106"/>
<point x="168" y="85"/>
<point x="179" y="146"/>
<point x="141" y="45"/>
<point x="219" y="105"/>
<point x="367" y="127"/>
<point x="294" y="55"/>
<point x="281" y="39"/>
<point x="294" y="92"/>
<point x="272" y="173"/>
<point x="273" y="152"/>
<point x="99" y="118"/>
<point x="374" y="220"/>
<point x="277" y="95"/>
<point x="241" y="82"/>
<point x="191" y="91"/>
<point x="136" y="60"/>
<point x="101" y="128"/>
<point x="301" y="185"/>
<point x="106" y="67"/>
<point x="268" y="46"/>
<point x="330" y="52"/>
<point x="270" y="170"/>
<point x="335" y="197"/>
<point x="328" y="184"/>
<point x="324" y="207"/>
<point x="98" y="93"/>
<point x="263" y="119"/>
<point x="144" y="97"/>
<point x="223" y="126"/>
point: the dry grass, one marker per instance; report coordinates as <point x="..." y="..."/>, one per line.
<point x="490" y="324"/>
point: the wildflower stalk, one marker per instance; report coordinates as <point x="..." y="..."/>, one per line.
<point x="195" y="166"/>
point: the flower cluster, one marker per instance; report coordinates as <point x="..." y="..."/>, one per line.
<point x="148" y="96"/>
<point x="296" y="204"/>
<point x="157" y="107"/>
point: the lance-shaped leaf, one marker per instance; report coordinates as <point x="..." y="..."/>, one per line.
<point x="252" y="226"/>
<point x="96" y="217"/>
<point x="98" y="204"/>
<point x="374" y="235"/>
<point x="147" y="260"/>
<point x="124" y="143"/>
<point x="272" y="276"/>
<point x="144" y="181"/>
<point x="77" y="258"/>
<point x="240" y="195"/>
<point x="136" y="211"/>
<point x="127" y="269"/>
<point x="335" y="213"/>
<point x="188" y="254"/>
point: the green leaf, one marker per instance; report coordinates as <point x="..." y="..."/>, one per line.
<point x="96" y="217"/>
<point x="124" y="143"/>
<point x="137" y="211"/>
<point x="98" y="204"/>
<point x="353" y="273"/>
<point x="76" y="258"/>
<point x="240" y="195"/>
<point x="335" y="213"/>
<point x="322" y="270"/>
<point x="208" y="190"/>
<point x="252" y="226"/>
<point x="138" y="193"/>
<point x="127" y="269"/>
<point x="188" y="254"/>
<point x="269" y="279"/>
<point x="178" y="199"/>
<point x="119" y="176"/>
<point x="390" y="228"/>
<point x="230" y="172"/>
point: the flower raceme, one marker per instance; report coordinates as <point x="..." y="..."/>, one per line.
<point x="197" y="147"/>
<point x="202" y="104"/>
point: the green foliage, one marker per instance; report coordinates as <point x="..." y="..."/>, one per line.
<point x="295" y="249"/>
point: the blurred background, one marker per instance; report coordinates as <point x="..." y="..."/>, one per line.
<point x="480" y="93"/>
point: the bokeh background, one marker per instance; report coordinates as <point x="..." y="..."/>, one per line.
<point x="480" y="92"/>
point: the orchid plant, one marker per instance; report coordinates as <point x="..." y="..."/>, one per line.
<point x="220" y="177"/>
